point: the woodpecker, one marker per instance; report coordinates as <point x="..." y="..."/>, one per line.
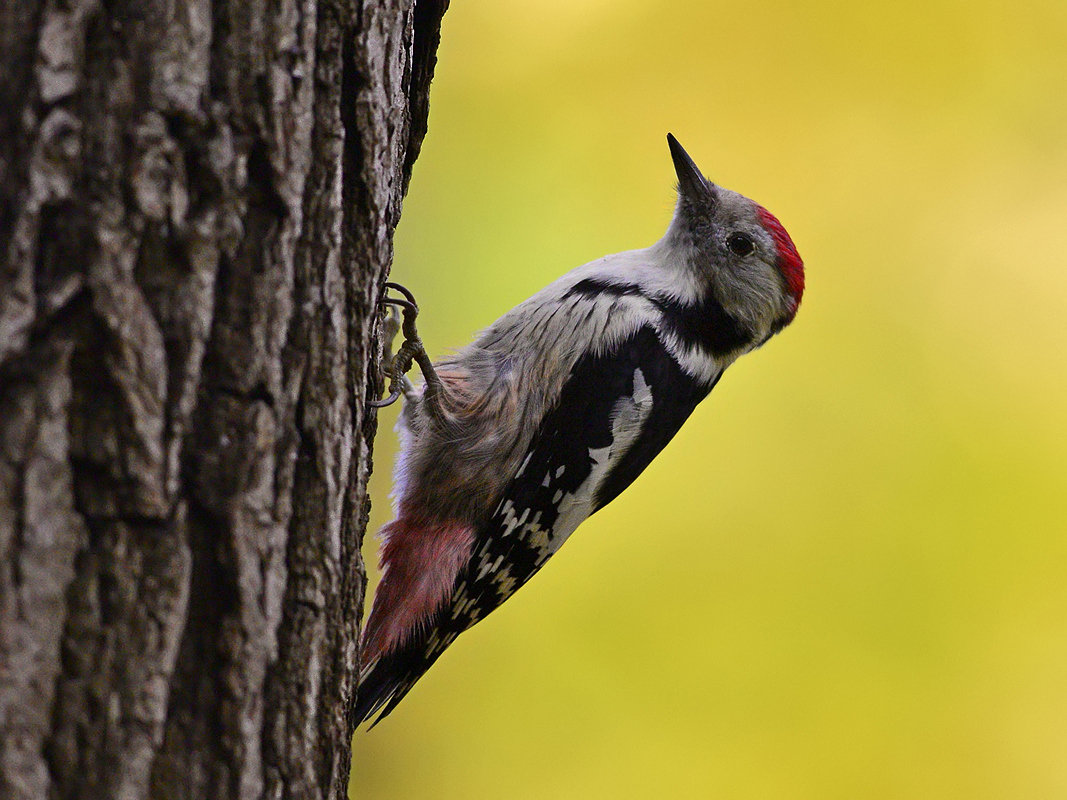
<point x="555" y="409"/>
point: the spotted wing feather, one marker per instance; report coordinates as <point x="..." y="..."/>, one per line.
<point x="615" y="413"/>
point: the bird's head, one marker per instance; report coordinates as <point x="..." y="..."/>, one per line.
<point x="750" y="261"/>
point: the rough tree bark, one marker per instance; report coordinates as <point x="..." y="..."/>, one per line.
<point x="197" y="201"/>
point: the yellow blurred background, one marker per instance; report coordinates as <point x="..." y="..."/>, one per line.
<point x="847" y="576"/>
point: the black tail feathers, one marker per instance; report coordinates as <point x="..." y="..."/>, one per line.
<point x="390" y="679"/>
<point x="380" y="690"/>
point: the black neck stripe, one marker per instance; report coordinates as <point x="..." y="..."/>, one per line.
<point x="705" y="324"/>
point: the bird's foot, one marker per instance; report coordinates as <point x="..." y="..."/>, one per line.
<point x="401" y="318"/>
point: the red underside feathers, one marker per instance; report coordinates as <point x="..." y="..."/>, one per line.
<point x="420" y="561"/>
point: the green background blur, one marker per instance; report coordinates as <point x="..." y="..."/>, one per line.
<point x="847" y="576"/>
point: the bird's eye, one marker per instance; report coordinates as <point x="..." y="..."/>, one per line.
<point x="740" y="244"/>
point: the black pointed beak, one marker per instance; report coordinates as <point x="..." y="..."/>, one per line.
<point x="691" y="182"/>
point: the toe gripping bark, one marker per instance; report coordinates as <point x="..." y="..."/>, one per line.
<point x="397" y="365"/>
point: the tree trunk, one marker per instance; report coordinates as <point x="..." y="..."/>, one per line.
<point x="197" y="202"/>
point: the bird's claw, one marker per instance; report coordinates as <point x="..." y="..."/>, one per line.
<point x="397" y="365"/>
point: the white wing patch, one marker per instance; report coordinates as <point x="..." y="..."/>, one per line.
<point x="628" y="417"/>
<point x="627" y="420"/>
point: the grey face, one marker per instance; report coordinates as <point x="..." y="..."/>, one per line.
<point x="730" y="245"/>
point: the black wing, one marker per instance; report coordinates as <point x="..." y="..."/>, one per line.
<point x="519" y="538"/>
